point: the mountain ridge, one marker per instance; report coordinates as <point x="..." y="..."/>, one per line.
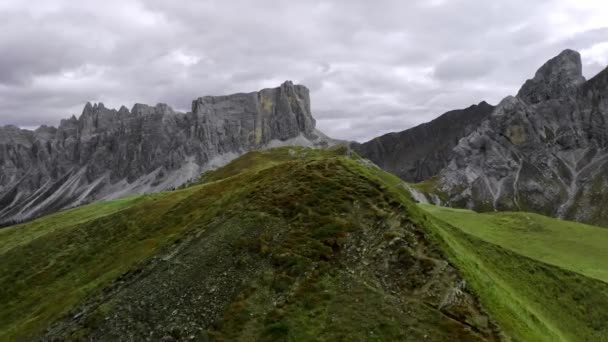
<point x="107" y="153"/>
<point x="543" y="150"/>
<point x="545" y="155"/>
<point x="420" y="152"/>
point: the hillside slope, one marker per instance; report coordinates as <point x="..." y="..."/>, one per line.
<point x="287" y="244"/>
<point x="573" y="246"/>
<point x="532" y="300"/>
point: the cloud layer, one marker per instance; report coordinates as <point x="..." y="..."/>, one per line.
<point x="372" y="67"/>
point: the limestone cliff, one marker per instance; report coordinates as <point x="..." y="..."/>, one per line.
<point x="107" y="153"/>
<point x="544" y="150"/>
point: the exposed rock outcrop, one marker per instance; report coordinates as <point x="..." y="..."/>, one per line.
<point x="557" y="78"/>
<point x="106" y="153"/>
<point x="544" y="150"/>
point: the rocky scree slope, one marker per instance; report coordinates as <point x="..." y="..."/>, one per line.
<point x="300" y="244"/>
<point x="421" y="152"/>
<point x="544" y="150"/>
<point x="105" y="153"/>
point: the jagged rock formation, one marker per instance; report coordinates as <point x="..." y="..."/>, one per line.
<point x="106" y="153"/>
<point x="421" y="152"/>
<point x="557" y="78"/>
<point x="544" y="150"/>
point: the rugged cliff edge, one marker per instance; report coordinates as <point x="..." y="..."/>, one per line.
<point x="544" y="150"/>
<point x="107" y="153"/>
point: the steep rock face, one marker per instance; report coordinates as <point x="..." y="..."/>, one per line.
<point x="421" y="152"/>
<point x="557" y="78"/>
<point x="544" y="150"/>
<point x="107" y="153"/>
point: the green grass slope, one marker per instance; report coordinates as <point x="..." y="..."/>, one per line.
<point x="287" y="244"/>
<point x="48" y="266"/>
<point x="533" y="301"/>
<point x="24" y="233"/>
<point x="573" y="246"/>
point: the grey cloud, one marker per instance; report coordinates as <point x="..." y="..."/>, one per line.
<point x="593" y="69"/>
<point x="372" y="67"/>
<point x="359" y="127"/>
<point x="463" y="67"/>
<point x="584" y="39"/>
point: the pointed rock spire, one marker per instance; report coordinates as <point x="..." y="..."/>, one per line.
<point x="123" y="111"/>
<point x="88" y="109"/>
<point x="558" y="77"/>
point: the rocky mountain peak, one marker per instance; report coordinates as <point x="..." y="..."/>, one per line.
<point x="543" y="150"/>
<point x="287" y="84"/>
<point x="123" y="111"/>
<point x="140" y="109"/>
<point x="108" y="153"/>
<point x="558" y="77"/>
<point x="13" y="134"/>
<point x="280" y="113"/>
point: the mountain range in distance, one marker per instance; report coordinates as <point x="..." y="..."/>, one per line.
<point x="107" y="153"/>
<point x="542" y="150"/>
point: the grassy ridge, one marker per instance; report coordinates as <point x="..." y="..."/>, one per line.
<point x="573" y="246"/>
<point x="533" y="301"/>
<point x="287" y="215"/>
<point x="313" y="292"/>
<point x="51" y="264"/>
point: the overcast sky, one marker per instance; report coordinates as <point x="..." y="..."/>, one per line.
<point x="372" y="66"/>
